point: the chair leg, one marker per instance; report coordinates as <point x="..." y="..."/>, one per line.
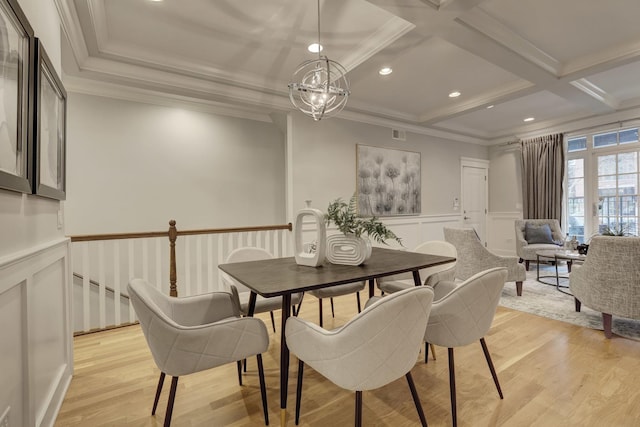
<point x="491" y="368"/>
<point x="358" y="299"/>
<point x="358" y="409"/>
<point x="416" y="400"/>
<point x="239" y="363"/>
<point x="606" y="323"/>
<point x="426" y="352"/>
<point x="320" y="310"/>
<point x="273" y="321"/>
<point x="299" y="390"/>
<point x="296" y="310"/>
<point x="263" y="389"/>
<point x="578" y="304"/>
<point x="172" y="398"/>
<point x="452" y="389"/>
<point x="519" y="288"/>
<point x="158" y="391"/>
<point x="526" y="265"/>
<point x="333" y="314"/>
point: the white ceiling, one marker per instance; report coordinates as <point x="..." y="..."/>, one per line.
<point x="559" y="61"/>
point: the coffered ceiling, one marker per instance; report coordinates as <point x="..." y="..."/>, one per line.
<point x="560" y="62"/>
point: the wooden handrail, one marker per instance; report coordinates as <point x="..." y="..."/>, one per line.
<point x="148" y="234"/>
<point x="173" y="234"/>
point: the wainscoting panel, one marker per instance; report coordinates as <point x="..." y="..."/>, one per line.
<point x="36" y="341"/>
<point x="501" y="232"/>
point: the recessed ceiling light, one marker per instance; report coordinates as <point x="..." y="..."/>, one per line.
<point x="489" y="106"/>
<point x="314" y="48"/>
<point x="529" y="119"/>
<point x="155" y="1"/>
<point x="454" y="94"/>
<point x="385" y="71"/>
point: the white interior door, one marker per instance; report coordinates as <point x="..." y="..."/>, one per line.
<point x="474" y="198"/>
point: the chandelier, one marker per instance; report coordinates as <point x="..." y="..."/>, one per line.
<point x="319" y="87"/>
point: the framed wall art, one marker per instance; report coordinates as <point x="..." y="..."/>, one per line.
<point x="16" y="92"/>
<point x="50" y="129"/>
<point x="387" y="181"/>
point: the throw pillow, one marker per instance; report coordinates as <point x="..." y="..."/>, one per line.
<point x="538" y="234"/>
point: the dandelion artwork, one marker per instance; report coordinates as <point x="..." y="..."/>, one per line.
<point x="388" y="181"/>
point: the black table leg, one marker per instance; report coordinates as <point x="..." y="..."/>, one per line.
<point x="284" y="359"/>
<point x="372" y="290"/>
<point x="252" y="304"/>
<point x="416" y="278"/>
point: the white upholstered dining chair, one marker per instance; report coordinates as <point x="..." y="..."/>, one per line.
<point x="464" y="315"/>
<point x="191" y="334"/>
<point x="241" y="293"/>
<point x="430" y="276"/>
<point x="378" y="346"/>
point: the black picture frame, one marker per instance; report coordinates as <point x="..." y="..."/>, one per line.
<point x="17" y="59"/>
<point x="50" y="117"/>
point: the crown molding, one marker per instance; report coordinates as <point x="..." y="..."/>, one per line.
<point x="85" y="86"/>
<point x="592" y="90"/>
<point x="72" y="29"/>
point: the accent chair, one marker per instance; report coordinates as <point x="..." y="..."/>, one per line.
<point x="533" y="235"/>
<point x="609" y="279"/>
<point x="473" y="257"/>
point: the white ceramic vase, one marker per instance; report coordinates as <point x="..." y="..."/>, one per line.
<point x="348" y="249"/>
<point x="310" y="253"/>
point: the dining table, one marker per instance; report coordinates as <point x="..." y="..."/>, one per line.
<point x="282" y="277"/>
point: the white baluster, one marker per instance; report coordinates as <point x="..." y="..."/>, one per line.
<point x="199" y="262"/>
<point x="116" y="279"/>
<point x="86" y="309"/>
<point x="102" y="281"/>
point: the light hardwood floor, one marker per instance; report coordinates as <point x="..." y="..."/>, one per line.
<point x="552" y="374"/>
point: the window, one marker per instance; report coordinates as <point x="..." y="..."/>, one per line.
<point x="577" y="144"/>
<point x="602" y="181"/>
<point x="575" y="198"/>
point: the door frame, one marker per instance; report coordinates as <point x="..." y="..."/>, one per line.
<point x="479" y="164"/>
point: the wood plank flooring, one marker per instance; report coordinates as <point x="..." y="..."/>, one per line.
<point x="551" y="373"/>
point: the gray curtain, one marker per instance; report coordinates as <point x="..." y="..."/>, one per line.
<point x="542" y="177"/>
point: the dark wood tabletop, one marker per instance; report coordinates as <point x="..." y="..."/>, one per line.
<point x="278" y="276"/>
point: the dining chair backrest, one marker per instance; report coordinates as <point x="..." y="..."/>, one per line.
<point x="245" y="254"/>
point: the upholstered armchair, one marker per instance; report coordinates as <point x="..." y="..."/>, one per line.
<point x="609" y="279"/>
<point x="473" y="257"/>
<point x="463" y="316"/>
<point x="191" y="334"/>
<point x="376" y="347"/>
<point x="533" y="235"/>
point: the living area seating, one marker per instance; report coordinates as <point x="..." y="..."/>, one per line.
<point x="533" y="235"/>
<point x="473" y="257"/>
<point x="191" y="334"/>
<point x="609" y="279"/>
<point x="463" y="316"/>
<point x="376" y="347"/>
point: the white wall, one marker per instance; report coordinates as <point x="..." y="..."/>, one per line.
<point x="505" y="198"/>
<point x="135" y="166"/>
<point x="35" y="340"/>
<point x="324" y="162"/>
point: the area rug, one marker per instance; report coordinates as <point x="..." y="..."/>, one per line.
<point x="546" y="301"/>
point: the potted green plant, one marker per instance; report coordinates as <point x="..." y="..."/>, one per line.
<point x="353" y="246"/>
